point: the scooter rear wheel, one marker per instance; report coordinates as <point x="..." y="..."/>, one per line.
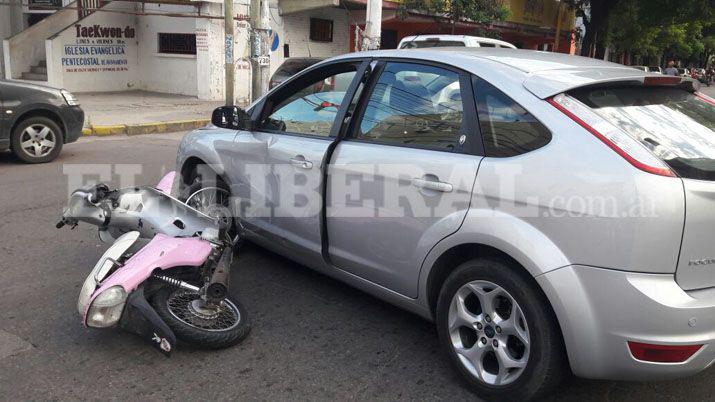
<point x="199" y="325"/>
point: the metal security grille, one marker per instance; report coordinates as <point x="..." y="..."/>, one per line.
<point x="87" y="7"/>
<point x="44" y="4"/>
<point x="177" y="43"/>
<point x="321" y="30"/>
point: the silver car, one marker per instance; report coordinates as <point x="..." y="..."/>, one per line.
<point x="550" y="213"/>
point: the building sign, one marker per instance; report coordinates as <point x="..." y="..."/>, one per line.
<point x="97" y="48"/>
<point x="541" y="13"/>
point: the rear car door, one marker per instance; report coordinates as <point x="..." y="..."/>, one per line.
<point x="401" y="181"/>
<point x="280" y="162"/>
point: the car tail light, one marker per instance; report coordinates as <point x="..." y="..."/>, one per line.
<point x="662" y="80"/>
<point x="662" y="353"/>
<point x="623" y="144"/>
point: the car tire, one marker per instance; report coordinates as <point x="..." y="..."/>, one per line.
<point x="489" y="358"/>
<point x="31" y="138"/>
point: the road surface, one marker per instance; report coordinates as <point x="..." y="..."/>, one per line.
<point x="313" y="337"/>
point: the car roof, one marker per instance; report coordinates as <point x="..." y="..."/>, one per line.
<point x="542" y="73"/>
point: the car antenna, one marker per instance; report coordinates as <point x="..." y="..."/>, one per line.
<point x="412" y="40"/>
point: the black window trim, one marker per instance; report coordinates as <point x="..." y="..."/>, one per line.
<point x="475" y="79"/>
<point x="470" y="127"/>
<point x="289" y="87"/>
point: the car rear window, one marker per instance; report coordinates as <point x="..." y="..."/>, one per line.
<point x="674" y="124"/>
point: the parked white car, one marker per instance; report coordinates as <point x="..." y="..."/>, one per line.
<point x="421" y="41"/>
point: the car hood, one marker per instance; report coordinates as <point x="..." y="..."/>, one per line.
<point x="29" y="86"/>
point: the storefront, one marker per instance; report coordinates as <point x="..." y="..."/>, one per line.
<point x="532" y="24"/>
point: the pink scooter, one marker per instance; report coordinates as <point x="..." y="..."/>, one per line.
<point x="165" y="277"/>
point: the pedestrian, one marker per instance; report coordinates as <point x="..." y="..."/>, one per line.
<point x="671" y="70"/>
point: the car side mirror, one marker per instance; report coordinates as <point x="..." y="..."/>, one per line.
<point x="231" y="117"/>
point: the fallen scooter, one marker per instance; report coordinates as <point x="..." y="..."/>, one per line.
<point x="166" y="275"/>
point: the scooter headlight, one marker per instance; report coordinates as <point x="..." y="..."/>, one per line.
<point x="107" y="307"/>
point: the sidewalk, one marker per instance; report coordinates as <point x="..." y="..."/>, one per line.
<point x="140" y="112"/>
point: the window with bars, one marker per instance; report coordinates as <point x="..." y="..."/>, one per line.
<point x="177" y="43"/>
<point x="321" y="30"/>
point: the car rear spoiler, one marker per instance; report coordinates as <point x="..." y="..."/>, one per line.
<point x="548" y="83"/>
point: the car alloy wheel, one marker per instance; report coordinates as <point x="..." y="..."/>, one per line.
<point x="489" y="333"/>
<point x="38" y="140"/>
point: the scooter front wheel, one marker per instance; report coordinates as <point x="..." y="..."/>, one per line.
<point x="200" y="325"/>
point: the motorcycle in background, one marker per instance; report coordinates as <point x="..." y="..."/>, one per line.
<point x="166" y="275"/>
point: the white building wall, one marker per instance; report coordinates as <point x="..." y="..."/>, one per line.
<point x="10" y="24"/>
<point x="27" y="48"/>
<point x="294" y="30"/>
<point x="161" y="72"/>
<point x="200" y="75"/>
<point x="81" y="63"/>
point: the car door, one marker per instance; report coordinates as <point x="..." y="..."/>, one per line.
<point x="280" y="171"/>
<point x="402" y="179"/>
<point x="3" y="135"/>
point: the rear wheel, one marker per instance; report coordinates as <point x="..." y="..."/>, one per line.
<point x="198" y="324"/>
<point x="499" y="332"/>
<point x="37" y="140"/>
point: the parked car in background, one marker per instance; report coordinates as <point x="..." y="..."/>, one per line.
<point x="655" y="69"/>
<point x="36" y="121"/>
<point x="701" y="75"/>
<point x="532" y="204"/>
<point x="421" y="41"/>
<point x="683" y="72"/>
<point x="642" y="68"/>
<point x="290" y="67"/>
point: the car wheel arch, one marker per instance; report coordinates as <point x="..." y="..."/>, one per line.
<point x="455" y="256"/>
<point x="190" y="167"/>
<point x="40" y="112"/>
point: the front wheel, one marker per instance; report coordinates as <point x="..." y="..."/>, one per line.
<point x="499" y="331"/>
<point x="200" y="325"/>
<point x="37" y="140"/>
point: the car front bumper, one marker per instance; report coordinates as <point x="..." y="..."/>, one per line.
<point x="73" y="118"/>
<point x="601" y="310"/>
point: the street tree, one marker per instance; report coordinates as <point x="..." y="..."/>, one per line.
<point x="594" y="14"/>
<point x="479" y="11"/>
<point x="654" y="28"/>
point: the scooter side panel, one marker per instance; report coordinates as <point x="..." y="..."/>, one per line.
<point x="162" y="252"/>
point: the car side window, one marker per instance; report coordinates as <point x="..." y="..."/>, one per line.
<point x="312" y="109"/>
<point x="414" y="105"/>
<point x="507" y="128"/>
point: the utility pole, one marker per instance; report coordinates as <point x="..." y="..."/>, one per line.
<point x="228" y="50"/>
<point x="260" y="58"/>
<point x="558" y="27"/>
<point x="373" y="25"/>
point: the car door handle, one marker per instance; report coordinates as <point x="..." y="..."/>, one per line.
<point x="432" y="185"/>
<point x="300" y="162"/>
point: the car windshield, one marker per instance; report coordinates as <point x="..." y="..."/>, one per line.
<point x="676" y="125"/>
<point x="431" y="43"/>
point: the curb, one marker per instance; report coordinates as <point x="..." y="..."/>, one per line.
<point x="144" y="128"/>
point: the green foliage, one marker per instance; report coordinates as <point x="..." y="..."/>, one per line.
<point x="480" y="11"/>
<point x="656" y="27"/>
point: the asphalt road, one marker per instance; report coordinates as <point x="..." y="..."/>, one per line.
<point x="313" y="338"/>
